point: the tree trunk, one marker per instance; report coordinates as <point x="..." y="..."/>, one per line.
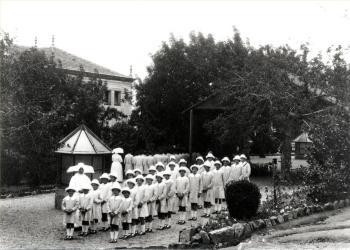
<point x="286" y="157"/>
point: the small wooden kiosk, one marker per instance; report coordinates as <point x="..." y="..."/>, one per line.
<point x="302" y="144"/>
<point x="81" y="145"/>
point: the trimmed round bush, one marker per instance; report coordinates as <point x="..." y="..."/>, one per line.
<point x="242" y="198"/>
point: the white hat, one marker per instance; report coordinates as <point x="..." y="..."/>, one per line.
<point x="182" y="161"/>
<point x="183" y="169"/>
<point x="152" y="168"/>
<point x="129" y="172"/>
<point x="113" y="174"/>
<point x="131" y="181"/>
<point x="217" y="162"/>
<point x="159" y="163"/>
<point x="207" y="164"/>
<point x="137" y="170"/>
<point x="126" y="189"/>
<point x="243" y="156"/>
<point x="95" y="181"/>
<point x="104" y="176"/>
<point x="194" y="166"/>
<point x="237" y="158"/>
<point x="172" y="163"/>
<point x="70" y="188"/>
<point x="118" y="151"/>
<point x="116" y="185"/>
<point x="80" y="165"/>
<point x="210" y="155"/>
<point x="172" y="157"/>
<point x="225" y="159"/>
<point x="166" y="172"/>
<point x="159" y="175"/>
<point x="139" y="177"/>
<point x="199" y="158"/>
<point x="149" y="176"/>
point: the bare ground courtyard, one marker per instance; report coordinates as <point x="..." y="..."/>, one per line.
<point x="32" y="222"/>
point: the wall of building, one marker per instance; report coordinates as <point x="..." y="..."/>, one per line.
<point x="118" y="86"/>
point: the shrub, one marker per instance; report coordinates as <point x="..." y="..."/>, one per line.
<point x="243" y="199"/>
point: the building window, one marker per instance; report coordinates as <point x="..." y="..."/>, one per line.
<point x="117" y="98"/>
<point x="107" y="99"/>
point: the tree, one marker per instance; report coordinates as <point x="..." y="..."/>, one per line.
<point x="179" y="77"/>
<point x="40" y="104"/>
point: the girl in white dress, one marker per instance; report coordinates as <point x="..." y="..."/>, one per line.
<point x="195" y="191"/>
<point x="142" y="205"/>
<point x="207" y="189"/>
<point x="105" y="190"/>
<point x="126" y="210"/>
<point x="161" y="200"/>
<point x="182" y="190"/>
<point x="170" y="197"/>
<point x="70" y="205"/>
<point x="218" y="186"/>
<point x="114" y="206"/>
<point x="150" y="196"/>
<point x="85" y="205"/>
<point x="96" y="211"/>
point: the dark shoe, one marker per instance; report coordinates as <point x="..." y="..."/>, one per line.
<point x="115" y="241"/>
<point x="66" y="237"/>
<point x="102" y="229"/>
<point x="142" y="233"/>
<point x="111" y="241"/>
<point x="167" y="226"/>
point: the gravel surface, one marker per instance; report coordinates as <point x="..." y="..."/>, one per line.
<point x="32" y="223"/>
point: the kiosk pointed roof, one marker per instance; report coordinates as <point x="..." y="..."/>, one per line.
<point x="82" y="141"/>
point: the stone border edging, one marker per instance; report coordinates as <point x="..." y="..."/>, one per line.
<point x="233" y="235"/>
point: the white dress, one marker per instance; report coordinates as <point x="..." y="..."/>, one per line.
<point x="126" y="207"/>
<point x="246" y="170"/>
<point x="143" y="210"/>
<point x="117" y="167"/>
<point x="195" y="187"/>
<point x="218" y="184"/>
<point x="70" y="203"/>
<point x="161" y="196"/>
<point x="235" y="172"/>
<point x="105" y="190"/>
<point x="96" y="211"/>
<point x="182" y="188"/>
<point x="79" y="180"/>
<point x="207" y="185"/>
<point x="85" y="202"/>
<point x="114" y="205"/>
<point x="128" y="162"/>
<point x="170" y="199"/>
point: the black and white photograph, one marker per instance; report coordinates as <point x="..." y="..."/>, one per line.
<point x="199" y="124"/>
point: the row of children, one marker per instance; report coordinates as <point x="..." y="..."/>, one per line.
<point x="164" y="191"/>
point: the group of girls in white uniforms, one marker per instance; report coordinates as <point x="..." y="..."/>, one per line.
<point x="132" y="205"/>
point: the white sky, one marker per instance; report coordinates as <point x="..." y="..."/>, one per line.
<point x="117" y="34"/>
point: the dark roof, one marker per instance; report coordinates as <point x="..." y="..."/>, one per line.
<point x="72" y="63"/>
